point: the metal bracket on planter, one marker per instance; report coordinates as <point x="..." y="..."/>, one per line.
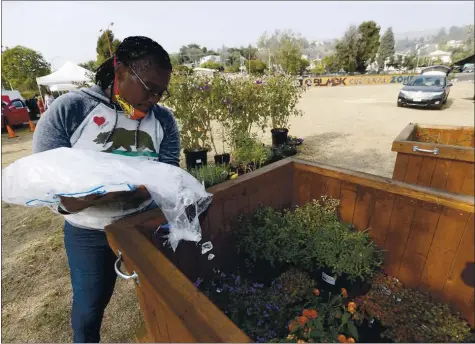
<point x="435" y="151"/>
<point x="119" y="273"/>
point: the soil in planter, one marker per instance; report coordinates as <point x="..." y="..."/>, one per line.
<point x="370" y="332"/>
<point x="222" y="159"/>
<point x="279" y="136"/>
<point x="196" y="158"/>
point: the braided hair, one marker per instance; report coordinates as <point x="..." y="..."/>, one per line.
<point x="132" y="49"/>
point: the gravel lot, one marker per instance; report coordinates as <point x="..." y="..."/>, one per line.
<point x="354" y="127"/>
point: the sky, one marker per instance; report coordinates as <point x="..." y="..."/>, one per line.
<point x="68" y="30"/>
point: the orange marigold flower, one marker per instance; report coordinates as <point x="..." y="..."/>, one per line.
<point x="341" y="338"/>
<point x="310" y="313"/>
<point x="316" y="292"/>
<point x="302" y="320"/>
<point x="292" y="326"/>
<point x="291" y="337"/>
<point x="351" y="307"/>
<point x="301" y="341"/>
<point x="344" y="293"/>
<point x="350" y="340"/>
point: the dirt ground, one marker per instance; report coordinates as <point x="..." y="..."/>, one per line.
<point x="350" y="127"/>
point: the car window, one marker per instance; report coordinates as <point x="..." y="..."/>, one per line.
<point x="428" y="81"/>
<point x="17" y="103"/>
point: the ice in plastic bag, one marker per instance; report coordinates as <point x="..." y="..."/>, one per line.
<point x="38" y="180"/>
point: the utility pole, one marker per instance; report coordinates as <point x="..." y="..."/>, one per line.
<point x="106" y="32"/>
<point x="249" y="59"/>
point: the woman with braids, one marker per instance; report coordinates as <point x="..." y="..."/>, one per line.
<point x="118" y="115"/>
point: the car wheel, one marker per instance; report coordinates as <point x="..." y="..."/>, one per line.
<point x="444" y="102"/>
<point x="399" y="104"/>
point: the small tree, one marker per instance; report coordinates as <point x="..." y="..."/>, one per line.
<point x="386" y="49"/>
<point x="21" y="66"/>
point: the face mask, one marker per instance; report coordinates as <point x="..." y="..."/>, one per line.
<point x="128" y="109"/>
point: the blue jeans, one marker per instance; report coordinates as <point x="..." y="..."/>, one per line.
<point x="91" y="262"/>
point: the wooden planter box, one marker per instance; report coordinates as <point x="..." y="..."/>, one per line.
<point x="447" y="162"/>
<point x="428" y="235"/>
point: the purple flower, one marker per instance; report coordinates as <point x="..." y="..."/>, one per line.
<point x="260" y="322"/>
<point x="260" y="340"/>
<point x="198" y="282"/>
<point x="231" y="289"/>
<point x="257" y="285"/>
<point x="252" y="290"/>
<point x="237" y="280"/>
<point x="268" y="306"/>
<point x="258" y="82"/>
<point x="249" y="311"/>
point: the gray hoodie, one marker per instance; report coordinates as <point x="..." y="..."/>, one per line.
<point x="87" y="119"/>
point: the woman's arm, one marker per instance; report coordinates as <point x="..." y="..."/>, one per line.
<point x="170" y="146"/>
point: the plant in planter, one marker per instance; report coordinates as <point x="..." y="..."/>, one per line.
<point x="312" y="238"/>
<point x="188" y="95"/>
<point x="411" y="316"/>
<point x="249" y="154"/>
<point x="282" y="96"/>
<point x="326" y="320"/>
<point x="261" y="311"/>
<point x="210" y="174"/>
<point x="218" y="104"/>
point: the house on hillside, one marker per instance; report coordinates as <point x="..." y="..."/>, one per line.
<point x="455" y="44"/>
<point x="444" y="56"/>
<point x="212" y="58"/>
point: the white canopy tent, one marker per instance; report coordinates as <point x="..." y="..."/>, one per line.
<point x="67" y="74"/>
<point x="64" y="79"/>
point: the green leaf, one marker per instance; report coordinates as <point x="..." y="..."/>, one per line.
<point x="345" y="318"/>
<point x="352" y="330"/>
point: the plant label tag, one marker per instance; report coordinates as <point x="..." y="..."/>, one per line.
<point x="328" y="279"/>
<point x="198" y="161"/>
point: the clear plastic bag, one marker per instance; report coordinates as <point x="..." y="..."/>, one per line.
<point x="38" y="180"/>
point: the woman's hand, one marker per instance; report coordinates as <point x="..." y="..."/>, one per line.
<point x="132" y="198"/>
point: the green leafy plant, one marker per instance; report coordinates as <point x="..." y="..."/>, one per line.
<point x="210" y="174"/>
<point x="250" y="154"/>
<point x="309" y="237"/>
<point x="412" y="316"/>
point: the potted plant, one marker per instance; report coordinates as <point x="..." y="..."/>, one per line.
<point x="219" y="106"/>
<point x="282" y="96"/>
<point x="189" y="93"/>
<point x="250" y="154"/>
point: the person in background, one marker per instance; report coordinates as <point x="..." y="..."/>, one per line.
<point x="118" y="115"/>
<point x="48" y="100"/>
<point x="41" y="105"/>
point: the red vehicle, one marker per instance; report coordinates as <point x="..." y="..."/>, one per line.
<point x="14" y="112"/>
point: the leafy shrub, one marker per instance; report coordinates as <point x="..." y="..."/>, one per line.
<point x="211" y="65"/>
<point x="210" y="174"/>
<point x="411" y="315"/>
<point x="309" y="237"/>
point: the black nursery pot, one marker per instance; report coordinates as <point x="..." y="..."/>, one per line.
<point x="279" y="136"/>
<point x="222" y="159"/>
<point x="196" y="158"/>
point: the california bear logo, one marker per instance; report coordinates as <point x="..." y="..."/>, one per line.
<point x="122" y="138"/>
